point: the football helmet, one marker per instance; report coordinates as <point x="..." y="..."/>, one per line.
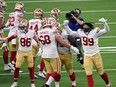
<point x="87" y="27"/>
<point x="20" y="7"/>
<point x="55" y="12"/>
<point x="23" y="26"/>
<point x="46" y="22"/>
<point x="38" y="13"/>
<point x="2" y="5"/>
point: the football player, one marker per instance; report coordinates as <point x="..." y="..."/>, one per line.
<point x="2" y="25"/>
<point x="54" y="15"/>
<point x="90" y="36"/>
<point x="14" y="20"/>
<point x="25" y="37"/>
<point x="35" y="24"/>
<point x="66" y="56"/>
<point x="48" y="37"/>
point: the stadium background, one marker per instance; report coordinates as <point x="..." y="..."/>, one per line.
<point x="92" y="10"/>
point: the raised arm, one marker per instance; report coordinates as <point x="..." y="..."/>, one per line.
<point x="105" y="29"/>
<point x="70" y="32"/>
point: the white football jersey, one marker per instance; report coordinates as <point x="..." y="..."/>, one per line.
<point x="53" y="21"/>
<point x="35" y="24"/>
<point x="14" y="18"/>
<point x="90" y="41"/>
<point x="62" y="49"/>
<point x="2" y="16"/>
<point x="25" y="40"/>
<point x="49" y="44"/>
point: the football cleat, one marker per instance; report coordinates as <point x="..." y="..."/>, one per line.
<point x="36" y="77"/>
<point x="32" y="85"/>
<point x="41" y="75"/>
<point x="6" y="68"/>
<point x="45" y="85"/>
<point x="12" y="66"/>
<point x="14" y="85"/>
<point x="109" y="85"/>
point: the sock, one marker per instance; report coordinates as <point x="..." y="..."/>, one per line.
<point x="5" y="56"/>
<point x="50" y="80"/>
<point x="31" y="72"/>
<point x="16" y="74"/>
<point x="34" y="62"/>
<point x="90" y="81"/>
<point x="42" y="66"/>
<point x="105" y="77"/>
<point x="56" y="84"/>
<point x="12" y="55"/>
<point x="47" y="76"/>
<point x="73" y="79"/>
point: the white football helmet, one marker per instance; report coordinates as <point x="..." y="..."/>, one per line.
<point x="46" y="22"/>
<point x="20" y="7"/>
<point x="23" y="26"/>
<point x="55" y="12"/>
<point x="2" y="5"/>
<point x="38" y="13"/>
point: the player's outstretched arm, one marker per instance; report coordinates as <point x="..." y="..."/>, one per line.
<point x="106" y="27"/>
<point x="70" y="32"/>
<point x="64" y="43"/>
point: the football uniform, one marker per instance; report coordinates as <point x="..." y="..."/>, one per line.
<point x="35" y="24"/>
<point x="91" y="49"/>
<point x="14" y="20"/>
<point x="2" y="30"/>
<point x="25" y="48"/>
<point x="49" y="49"/>
<point x="65" y="54"/>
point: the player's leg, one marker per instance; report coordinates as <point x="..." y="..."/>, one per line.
<point x="20" y="60"/>
<point x="88" y="65"/>
<point x="99" y="68"/>
<point x="68" y="61"/>
<point x="4" y="53"/>
<point x="55" y="75"/>
<point x="30" y="62"/>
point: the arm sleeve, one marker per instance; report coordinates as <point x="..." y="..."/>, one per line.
<point x="104" y="31"/>
<point x="70" y="32"/>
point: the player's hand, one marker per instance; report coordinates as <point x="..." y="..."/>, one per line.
<point x="65" y="22"/>
<point x="75" y="49"/>
<point x="102" y="20"/>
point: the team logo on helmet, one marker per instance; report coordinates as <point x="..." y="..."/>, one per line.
<point x="38" y="13"/>
<point x="23" y="26"/>
<point x="20" y="6"/>
<point x="55" y="12"/>
<point x="46" y="22"/>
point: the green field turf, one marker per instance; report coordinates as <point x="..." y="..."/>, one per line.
<point x="92" y="10"/>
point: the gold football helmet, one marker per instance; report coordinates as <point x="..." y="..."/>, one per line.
<point x="55" y="12"/>
<point x="20" y="6"/>
<point x="23" y="26"/>
<point x="3" y="5"/>
<point x="46" y="22"/>
<point x="38" y="13"/>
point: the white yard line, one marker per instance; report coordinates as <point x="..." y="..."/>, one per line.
<point x="89" y="11"/>
<point x="78" y="71"/>
<point x="50" y="1"/>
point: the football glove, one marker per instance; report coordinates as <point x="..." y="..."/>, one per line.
<point x="65" y="22"/>
<point x="102" y="20"/>
<point x="75" y="49"/>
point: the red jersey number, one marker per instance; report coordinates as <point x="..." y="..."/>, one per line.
<point x="11" y="20"/>
<point x="25" y="42"/>
<point x="35" y="28"/>
<point x="45" y="39"/>
<point x="88" y="41"/>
